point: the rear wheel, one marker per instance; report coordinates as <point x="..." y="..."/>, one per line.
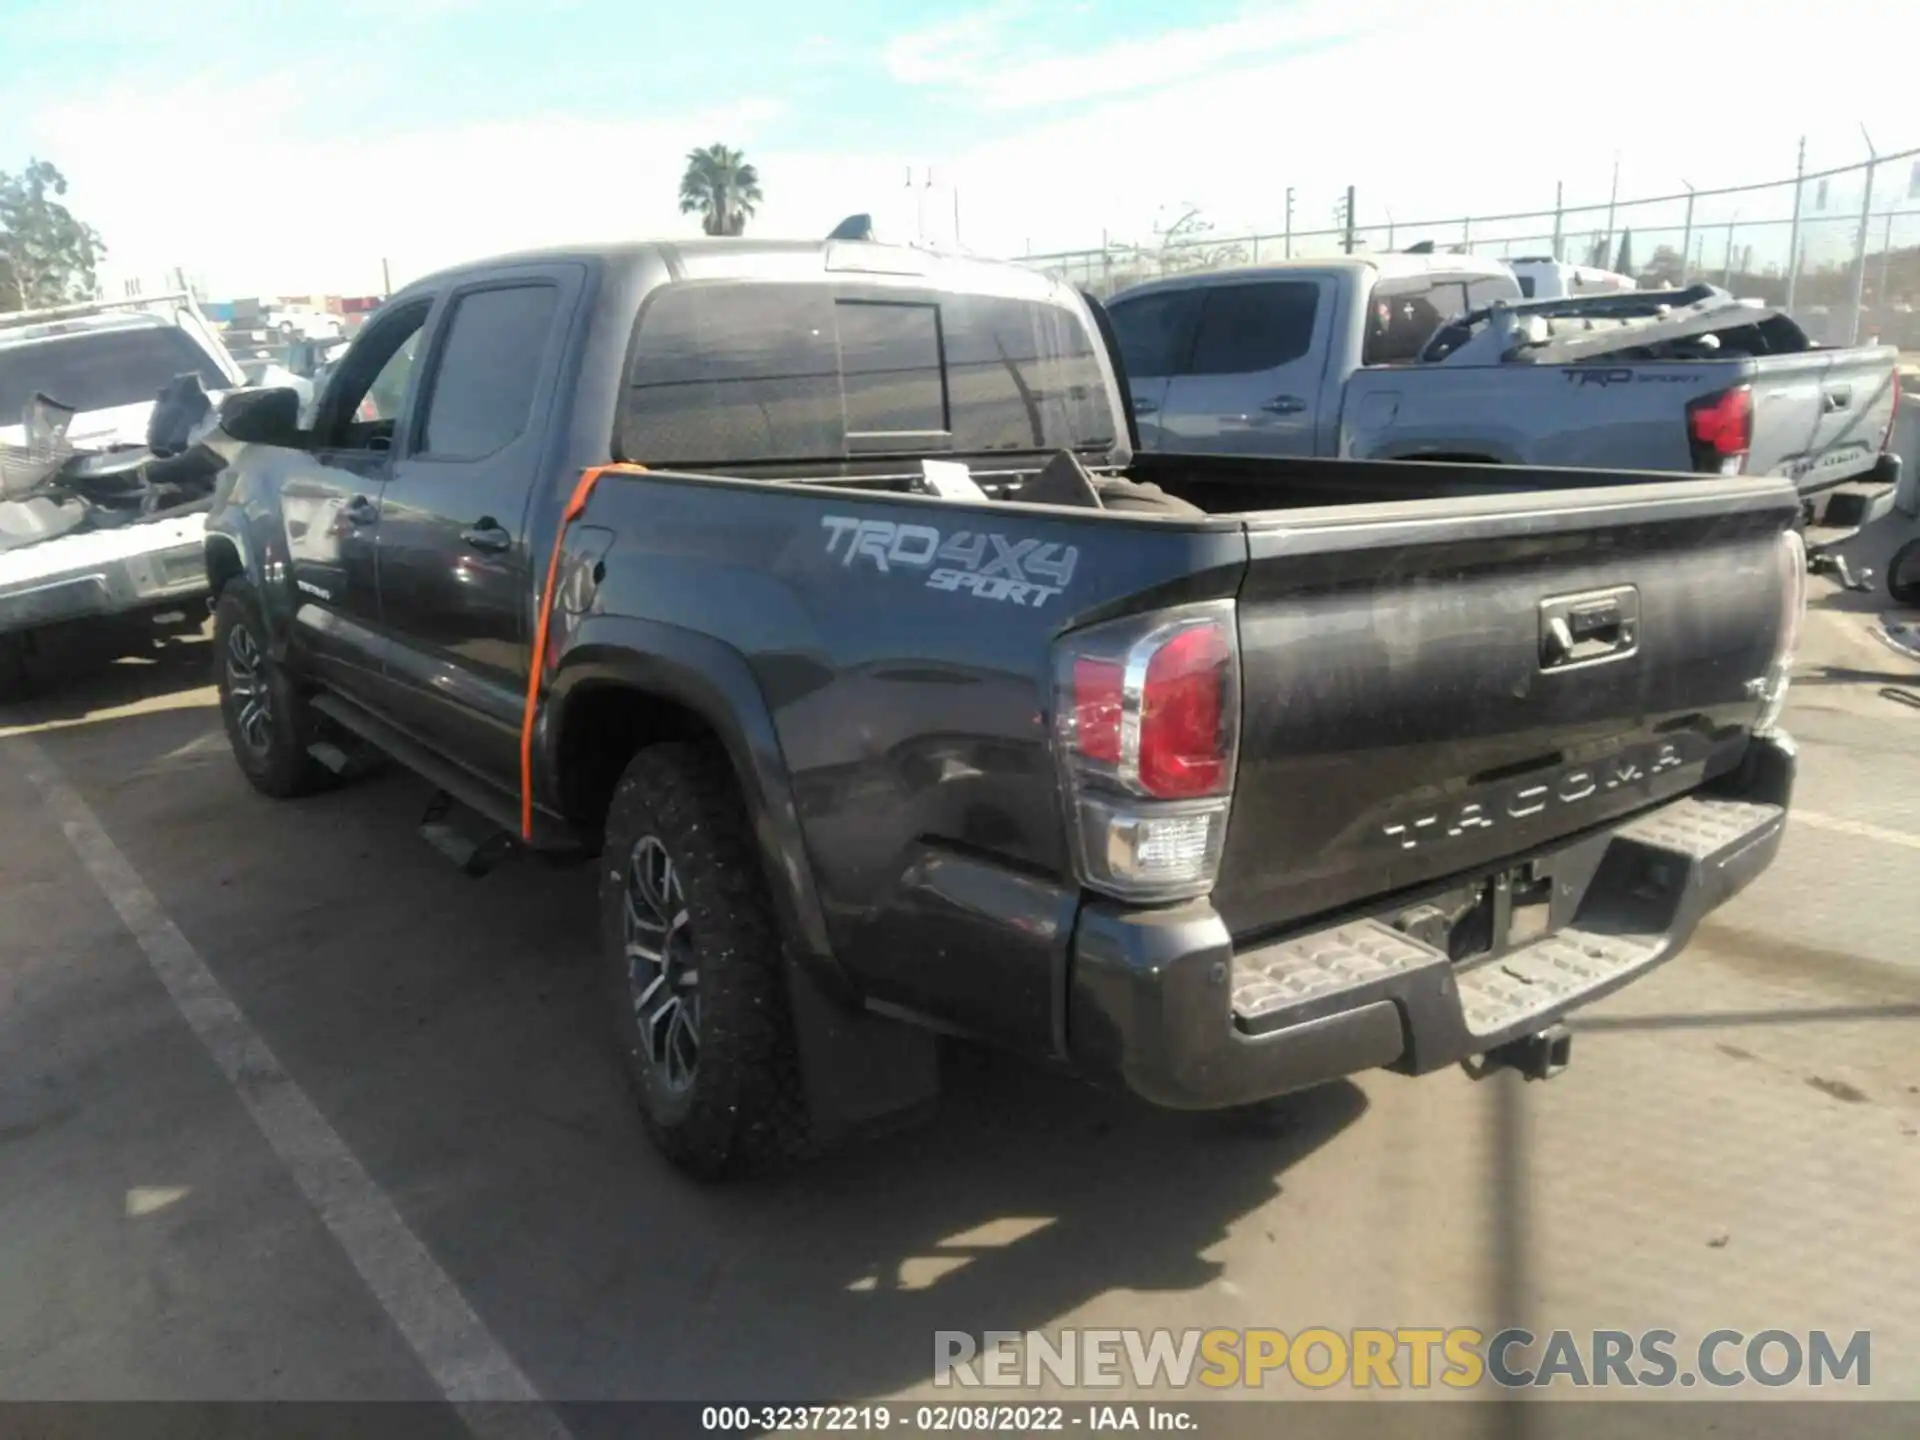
<point x="269" y="723"/>
<point x="691" y="952"/>
<point x="1903" y="573"/>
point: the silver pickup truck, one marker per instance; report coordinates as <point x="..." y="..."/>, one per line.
<point x="1440" y="357"/>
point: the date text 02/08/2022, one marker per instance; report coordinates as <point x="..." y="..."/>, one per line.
<point x="947" y="1419"/>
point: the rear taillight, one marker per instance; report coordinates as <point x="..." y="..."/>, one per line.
<point x="1720" y="430"/>
<point x="1893" y="415"/>
<point x="1147" y="715"/>
<point x="1792" y="560"/>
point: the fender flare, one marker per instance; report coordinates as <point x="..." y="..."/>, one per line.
<point x="713" y="681"/>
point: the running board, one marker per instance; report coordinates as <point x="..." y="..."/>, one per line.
<point x="463" y="836"/>
<point x="495" y="806"/>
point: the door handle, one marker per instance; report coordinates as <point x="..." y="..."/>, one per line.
<point x="1284" y="405"/>
<point x="1144" y="407"/>
<point x="1838" y="398"/>
<point x="487" y="534"/>
<point x="361" y="511"/>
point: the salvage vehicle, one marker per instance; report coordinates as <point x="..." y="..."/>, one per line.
<point x="814" y="594"/>
<point x="1542" y="277"/>
<point x="99" y="528"/>
<point x="1355" y="357"/>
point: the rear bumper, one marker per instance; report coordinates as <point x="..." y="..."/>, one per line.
<point x="1161" y="1003"/>
<point x="109" y="587"/>
<point x="1836" y="513"/>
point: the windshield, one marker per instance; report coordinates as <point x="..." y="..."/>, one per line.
<point x="100" y="369"/>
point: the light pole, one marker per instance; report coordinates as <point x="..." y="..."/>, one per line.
<point x="1860" y="248"/>
<point x="1793" y="232"/>
<point x="1686" y="239"/>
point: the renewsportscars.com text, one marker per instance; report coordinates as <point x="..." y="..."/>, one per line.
<point x="1460" y="1358"/>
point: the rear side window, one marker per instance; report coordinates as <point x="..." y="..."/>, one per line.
<point x="739" y="373"/>
<point x="1249" y="328"/>
<point x="1155" y="332"/>
<point x="1404" y="314"/>
<point x="1489" y="289"/>
<point x="1526" y="285"/>
<point x="489" y="365"/>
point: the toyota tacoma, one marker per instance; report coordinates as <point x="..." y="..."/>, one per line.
<point x="815" y="594"/>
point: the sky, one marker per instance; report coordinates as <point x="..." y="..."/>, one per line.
<point x="292" y="147"/>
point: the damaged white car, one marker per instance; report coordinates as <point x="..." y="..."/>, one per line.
<point x="103" y="488"/>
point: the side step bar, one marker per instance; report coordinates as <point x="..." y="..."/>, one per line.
<point x="453" y="838"/>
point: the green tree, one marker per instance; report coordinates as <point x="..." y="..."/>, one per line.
<point x="46" y="255"/>
<point x="721" y="187"/>
<point x="1623" y="262"/>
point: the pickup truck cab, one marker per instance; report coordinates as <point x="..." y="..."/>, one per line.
<point x="1331" y="358"/>
<point x="1204" y="777"/>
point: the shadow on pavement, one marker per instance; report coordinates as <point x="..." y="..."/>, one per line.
<point x="90" y="673"/>
<point x="453" y="1031"/>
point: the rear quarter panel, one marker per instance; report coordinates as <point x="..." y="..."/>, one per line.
<point x="912" y="713"/>
<point x="1582" y="416"/>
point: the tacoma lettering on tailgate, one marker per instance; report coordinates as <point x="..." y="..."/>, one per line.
<point x="979" y="563"/>
<point x="1520" y="799"/>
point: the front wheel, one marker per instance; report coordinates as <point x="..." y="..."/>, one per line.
<point x="691" y="951"/>
<point x="1903" y="573"/>
<point x="269" y="723"/>
<point x="16" y="665"/>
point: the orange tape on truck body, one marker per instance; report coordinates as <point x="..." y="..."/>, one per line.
<point x="576" y="504"/>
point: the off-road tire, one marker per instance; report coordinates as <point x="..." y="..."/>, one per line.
<point x="743" y="1110"/>
<point x="282" y="767"/>
<point x="16" y="667"/>
<point x="1903" y="574"/>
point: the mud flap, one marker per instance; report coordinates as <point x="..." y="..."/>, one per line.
<point x="864" y="1074"/>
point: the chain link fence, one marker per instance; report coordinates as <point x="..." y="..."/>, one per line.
<point x="1839" y="249"/>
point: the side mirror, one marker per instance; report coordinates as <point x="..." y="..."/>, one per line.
<point x="263" y="417"/>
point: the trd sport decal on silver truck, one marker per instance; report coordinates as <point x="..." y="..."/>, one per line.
<point x="983" y="564"/>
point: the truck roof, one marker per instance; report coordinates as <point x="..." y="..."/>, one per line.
<point x="771" y="259"/>
<point x="1386" y="264"/>
<point x="78" y="325"/>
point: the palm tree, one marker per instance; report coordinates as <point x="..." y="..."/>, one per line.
<point x="722" y="187"/>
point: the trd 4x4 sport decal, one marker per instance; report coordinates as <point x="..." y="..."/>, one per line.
<point x="979" y="563"/>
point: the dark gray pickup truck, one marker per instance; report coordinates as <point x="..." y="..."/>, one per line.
<point x="895" y="696"/>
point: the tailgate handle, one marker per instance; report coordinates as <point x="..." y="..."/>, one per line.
<point x="1838" y="398"/>
<point x="1585" y="629"/>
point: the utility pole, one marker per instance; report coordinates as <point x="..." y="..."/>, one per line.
<point x="1726" y="281"/>
<point x="1686" y="239"/>
<point x="1613" y="197"/>
<point x="1349" y="220"/>
<point x="386" y="279"/>
<point x="1289" y="222"/>
<point x="1886" y="255"/>
<point x="1793" y="232"/>
<point x="1860" y="247"/>
<point x="1559" y="212"/>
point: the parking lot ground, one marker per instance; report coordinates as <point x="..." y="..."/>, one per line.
<point x="1737" y="1143"/>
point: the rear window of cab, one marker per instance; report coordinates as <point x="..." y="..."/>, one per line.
<point x="729" y="372"/>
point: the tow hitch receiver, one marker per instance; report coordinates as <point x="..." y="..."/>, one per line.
<point x="1539" y="1056"/>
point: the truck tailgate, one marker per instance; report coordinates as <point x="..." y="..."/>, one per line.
<point x="1437" y="688"/>
<point x="1821" y="418"/>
